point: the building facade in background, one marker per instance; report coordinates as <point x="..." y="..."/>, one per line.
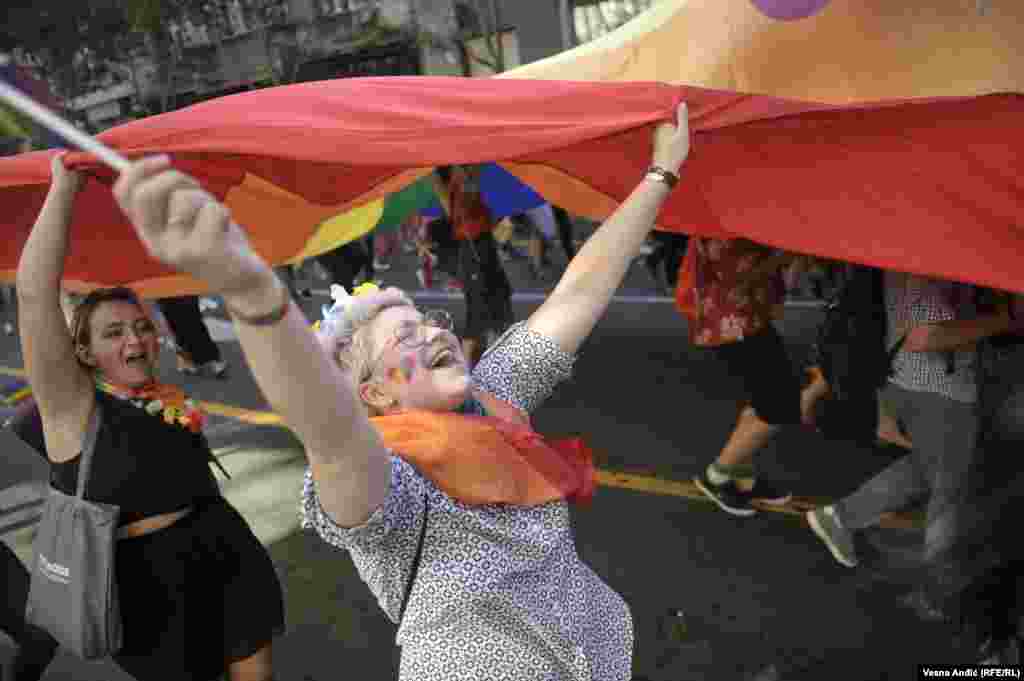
<point x="249" y="44"/>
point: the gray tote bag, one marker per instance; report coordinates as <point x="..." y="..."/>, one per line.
<point x="73" y="594"/>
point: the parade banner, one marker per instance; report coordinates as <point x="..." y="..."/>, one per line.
<point x="934" y="186"/>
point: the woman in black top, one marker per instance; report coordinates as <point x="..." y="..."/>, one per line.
<point x="187" y="563"/>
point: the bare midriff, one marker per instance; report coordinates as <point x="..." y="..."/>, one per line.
<point x="152" y="524"/>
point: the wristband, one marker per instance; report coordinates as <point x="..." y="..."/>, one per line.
<point x="661" y="175"/>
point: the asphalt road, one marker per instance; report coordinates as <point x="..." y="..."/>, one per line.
<point x="756" y="594"/>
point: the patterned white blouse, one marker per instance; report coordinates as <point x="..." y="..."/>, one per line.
<point x="501" y="592"/>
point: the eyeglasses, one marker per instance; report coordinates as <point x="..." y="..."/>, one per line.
<point x="411" y="335"/>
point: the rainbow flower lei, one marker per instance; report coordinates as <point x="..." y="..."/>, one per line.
<point x="161" y="399"/>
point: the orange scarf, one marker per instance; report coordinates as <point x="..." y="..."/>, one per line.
<point x="499" y="459"/>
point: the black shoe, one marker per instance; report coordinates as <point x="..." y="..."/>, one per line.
<point x="728" y="496"/>
<point x="767" y="493"/>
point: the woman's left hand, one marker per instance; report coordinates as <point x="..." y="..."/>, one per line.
<point x="672" y="142"/>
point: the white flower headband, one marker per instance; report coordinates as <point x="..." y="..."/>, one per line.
<point x="334" y="315"/>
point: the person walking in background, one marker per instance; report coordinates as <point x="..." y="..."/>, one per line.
<point x="933" y="395"/>
<point x="487" y="290"/>
<point x="668" y="252"/>
<point x="988" y="539"/>
<point x="346" y="263"/>
<point x="384" y="242"/>
<point x="565" y="231"/>
<point x="7" y="308"/>
<point x="196" y="351"/>
<point x="738" y="290"/>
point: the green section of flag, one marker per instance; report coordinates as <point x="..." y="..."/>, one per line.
<point x="400" y="205"/>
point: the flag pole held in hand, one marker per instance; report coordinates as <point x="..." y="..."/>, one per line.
<point x="57" y="125"/>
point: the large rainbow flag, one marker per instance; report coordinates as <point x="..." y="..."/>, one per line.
<point x="911" y="172"/>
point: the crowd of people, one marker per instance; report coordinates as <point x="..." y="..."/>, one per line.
<point x="460" y="526"/>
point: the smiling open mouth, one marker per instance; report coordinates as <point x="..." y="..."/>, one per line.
<point x="136" y="359"/>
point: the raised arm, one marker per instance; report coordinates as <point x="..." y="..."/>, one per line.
<point x="186" y="228"/>
<point x="62" y="389"/>
<point x="585" y="290"/>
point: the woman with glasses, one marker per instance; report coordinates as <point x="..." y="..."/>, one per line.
<point x="186" y="563"/>
<point x="454" y="510"/>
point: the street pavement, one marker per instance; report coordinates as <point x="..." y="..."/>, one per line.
<point x="713" y="597"/>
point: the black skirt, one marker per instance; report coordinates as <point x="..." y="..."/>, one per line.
<point x="196" y="596"/>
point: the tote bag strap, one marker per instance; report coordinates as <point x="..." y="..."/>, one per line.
<point x="88" y="446"/>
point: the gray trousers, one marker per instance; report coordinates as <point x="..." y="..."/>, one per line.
<point x="944" y="433"/>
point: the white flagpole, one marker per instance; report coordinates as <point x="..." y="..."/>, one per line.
<point x="51" y="121"/>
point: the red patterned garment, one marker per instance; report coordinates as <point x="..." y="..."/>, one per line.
<point x="470" y="216"/>
<point x="727" y="312"/>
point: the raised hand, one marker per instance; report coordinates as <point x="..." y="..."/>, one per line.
<point x="672" y="142"/>
<point x="64" y="180"/>
<point x="186" y="228"/>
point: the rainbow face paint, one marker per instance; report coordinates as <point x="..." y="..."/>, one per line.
<point x="408" y="365"/>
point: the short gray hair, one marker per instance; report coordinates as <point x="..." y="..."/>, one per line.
<point x="345" y="338"/>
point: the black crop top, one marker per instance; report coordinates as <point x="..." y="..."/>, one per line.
<point x="142" y="464"/>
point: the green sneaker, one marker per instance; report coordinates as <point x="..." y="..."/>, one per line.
<point x="839" y="540"/>
<point x="727" y="496"/>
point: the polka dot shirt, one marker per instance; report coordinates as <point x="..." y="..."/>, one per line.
<point x="501" y="592"/>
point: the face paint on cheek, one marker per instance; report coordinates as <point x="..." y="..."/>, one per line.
<point x="406" y="370"/>
<point x="409" y="365"/>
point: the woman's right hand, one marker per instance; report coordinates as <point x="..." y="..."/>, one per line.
<point x="64" y="180"/>
<point x="186" y="228"/>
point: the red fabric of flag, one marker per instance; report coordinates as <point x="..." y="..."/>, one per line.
<point x="934" y="187"/>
